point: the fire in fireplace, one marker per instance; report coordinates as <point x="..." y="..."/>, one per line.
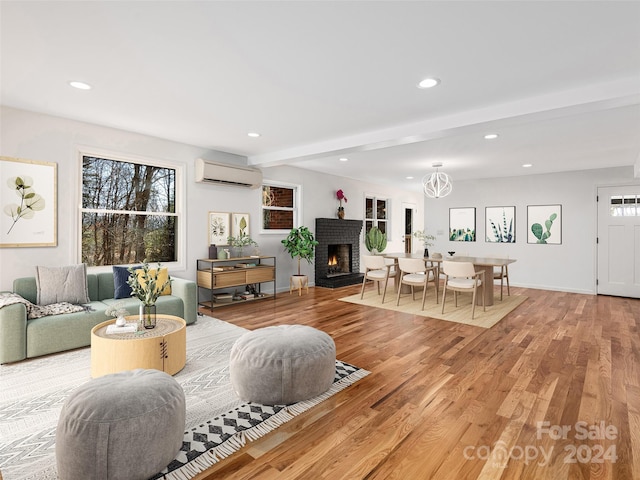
<point x="339" y="260"/>
<point x="337" y="256"/>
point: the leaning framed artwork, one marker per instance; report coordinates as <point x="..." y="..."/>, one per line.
<point x="28" y="196"/>
<point x="544" y="224"/>
<point x="462" y="224"/>
<point x="219" y="228"/>
<point x="240" y="224"/>
<point x="500" y="224"/>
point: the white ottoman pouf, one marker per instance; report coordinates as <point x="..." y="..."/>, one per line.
<point x="282" y="364"/>
<point x="128" y="425"/>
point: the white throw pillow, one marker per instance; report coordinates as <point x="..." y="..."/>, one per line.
<point x="62" y="284"/>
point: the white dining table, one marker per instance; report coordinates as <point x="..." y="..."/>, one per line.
<point x="480" y="263"/>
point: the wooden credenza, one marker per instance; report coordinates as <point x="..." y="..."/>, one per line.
<point x="223" y="277"/>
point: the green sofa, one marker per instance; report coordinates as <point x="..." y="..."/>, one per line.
<point x="21" y="338"/>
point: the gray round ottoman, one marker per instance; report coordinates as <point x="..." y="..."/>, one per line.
<point x="282" y="364"/>
<point x="128" y="425"/>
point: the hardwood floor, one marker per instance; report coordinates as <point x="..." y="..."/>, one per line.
<point x="450" y="401"/>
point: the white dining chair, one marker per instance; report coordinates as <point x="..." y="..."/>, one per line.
<point x="501" y="273"/>
<point x="376" y="269"/>
<point x="462" y="277"/>
<point x="415" y="273"/>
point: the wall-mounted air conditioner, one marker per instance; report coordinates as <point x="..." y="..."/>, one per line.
<point x="223" y="174"/>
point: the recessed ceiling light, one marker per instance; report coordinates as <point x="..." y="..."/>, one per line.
<point x="429" y="82"/>
<point x="491" y="136"/>
<point x="80" y="85"/>
<point x="409" y="178"/>
<point x="344" y="159"/>
<point x="253" y="134"/>
<point x="527" y="165"/>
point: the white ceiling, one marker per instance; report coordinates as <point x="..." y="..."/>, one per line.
<point x="559" y="81"/>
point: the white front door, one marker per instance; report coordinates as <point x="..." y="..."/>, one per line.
<point x="619" y="241"/>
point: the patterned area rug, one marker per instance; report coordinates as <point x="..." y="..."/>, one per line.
<point x="218" y="423"/>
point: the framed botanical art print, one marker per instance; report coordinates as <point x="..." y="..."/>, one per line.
<point x="544" y="224"/>
<point x="240" y="224"/>
<point x="500" y="224"/>
<point x="462" y="224"/>
<point x="28" y="196"/>
<point x="219" y="228"/>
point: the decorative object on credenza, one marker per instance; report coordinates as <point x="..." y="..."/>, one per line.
<point x="239" y="243"/>
<point x="544" y="224"/>
<point x="300" y="244"/>
<point x="426" y="239"/>
<point x="147" y="285"/>
<point x="451" y="253"/>
<point x="213" y="251"/>
<point x="500" y="224"/>
<point x="117" y="310"/>
<point x="375" y="240"/>
<point x="462" y="224"/>
<point x="437" y="184"/>
<point x="28" y="203"/>
<point x="341" y="197"/>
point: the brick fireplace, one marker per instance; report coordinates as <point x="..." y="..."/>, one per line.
<point x="337" y="257"/>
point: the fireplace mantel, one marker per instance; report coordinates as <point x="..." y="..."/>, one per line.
<point x="336" y="231"/>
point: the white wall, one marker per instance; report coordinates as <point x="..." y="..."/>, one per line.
<point x="320" y="202"/>
<point x="570" y="266"/>
<point x="45" y="138"/>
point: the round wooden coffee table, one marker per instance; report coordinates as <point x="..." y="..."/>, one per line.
<point x="163" y="347"/>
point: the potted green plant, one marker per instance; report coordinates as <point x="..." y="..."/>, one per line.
<point x="241" y="241"/>
<point x="426" y="239"/>
<point x="300" y="244"/>
<point x="375" y="240"/>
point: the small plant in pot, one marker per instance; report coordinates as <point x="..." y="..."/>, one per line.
<point x="426" y="239"/>
<point x="300" y="244"/>
<point x="375" y="240"/>
<point x="240" y="242"/>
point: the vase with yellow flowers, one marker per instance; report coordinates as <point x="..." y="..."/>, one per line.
<point x="147" y="285"/>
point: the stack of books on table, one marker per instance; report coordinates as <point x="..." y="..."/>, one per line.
<point x="128" y="328"/>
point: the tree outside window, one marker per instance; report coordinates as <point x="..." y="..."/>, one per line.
<point x="128" y="212"/>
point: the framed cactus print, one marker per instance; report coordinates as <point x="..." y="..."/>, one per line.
<point x="462" y="224"/>
<point x="544" y="224"/>
<point x="28" y="196"/>
<point x="500" y="224"/>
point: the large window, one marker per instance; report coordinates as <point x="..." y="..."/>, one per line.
<point x="376" y="214"/>
<point x="280" y="204"/>
<point x="128" y="212"/>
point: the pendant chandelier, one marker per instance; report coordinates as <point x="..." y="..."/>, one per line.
<point x="437" y="184"/>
